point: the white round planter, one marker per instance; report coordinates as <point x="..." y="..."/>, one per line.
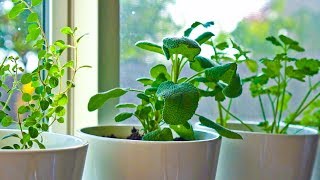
<point x="63" y="158"/>
<point x="122" y="159"/>
<point x="316" y="168"/>
<point x="268" y="156"/>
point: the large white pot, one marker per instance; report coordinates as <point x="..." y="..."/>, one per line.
<point x="261" y="156"/>
<point x="63" y="158"/>
<point x="121" y="159"/>
<point x="316" y="168"/>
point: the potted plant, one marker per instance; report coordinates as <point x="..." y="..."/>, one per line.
<point x="167" y="146"/>
<point x="273" y="148"/>
<point x="29" y="151"/>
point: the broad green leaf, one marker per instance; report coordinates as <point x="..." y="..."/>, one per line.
<point x="272" y="69"/>
<point x="220" y="129"/>
<point x="69" y="64"/>
<point x="16" y="10"/>
<point x="145" y="81"/>
<point x="286" y="40"/>
<point x="40" y="145"/>
<point x="159" y="69"/>
<point x="23" y="109"/>
<point x="222" y="45"/>
<point x="143" y="97"/>
<point x="54" y="70"/>
<point x="273" y="40"/>
<point x="26" y="97"/>
<point x="66" y="30"/>
<point x="62" y="100"/>
<point x="184" y="130"/>
<point x="44" y="105"/>
<point x="33" y="132"/>
<point x="308" y="66"/>
<point x="36" y="2"/>
<point x="234" y="88"/>
<point x="123" y="116"/>
<point x="180" y="101"/>
<point x="150" y="91"/>
<point x="54" y="82"/>
<point x="142" y="112"/>
<point x="33" y="17"/>
<point x="30" y="122"/>
<point x="98" y="100"/>
<point x="7" y="121"/>
<point x="26" y="78"/>
<point x="252" y="65"/>
<point x="224" y="73"/>
<point x="295" y="74"/>
<point x="45" y="127"/>
<point x="184" y="46"/>
<point x="126" y="105"/>
<point x="10" y="135"/>
<point x="200" y="63"/>
<point x="296" y="47"/>
<point x="164" y="134"/>
<point x="196" y="24"/>
<point x="149" y="46"/>
<point x="204" y="37"/>
<point x="60" y="120"/>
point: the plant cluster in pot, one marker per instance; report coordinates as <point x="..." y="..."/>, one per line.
<point x="29" y="151"/>
<point x="167" y="146"/>
<point x="273" y="148"/>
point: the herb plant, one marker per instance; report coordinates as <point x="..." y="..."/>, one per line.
<point x="169" y="99"/>
<point x="273" y="83"/>
<point x="45" y="103"/>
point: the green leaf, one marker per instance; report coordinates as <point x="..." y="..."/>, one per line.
<point x="10" y="135"/>
<point x="69" y="64"/>
<point x="33" y="132"/>
<point x="180" y="101"/>
<point x="60" y="120"/>
<point x="126" y="105"/>
<point x="26" y="78"/>
<point x="36" y="2"/>
<point x="252" y="65"/>
<point x="164" y="134"/>
<point x="222" y="45"/>
<point x="26" y="97"/>
<point x="44" y="105"/>
<point x="7" y="147"/>
<point x="296" y="47"/>
<point x="45" y="127"/>
<point x="273" y="40"/>
<point x="184" y="130"/>
<point x="200" y="63"/>
<point x="78" y="40"/>
<point x="30" y="122"/>
<point x="159" y="69"/>
<point x="220" y="129"/>
<point x="184" y="46"/>
<point x="16" y="10"/>
<point x="123" y="116"/>
<point x="308" y="66"/>
<point x="204" y="37"/>
<point x="33" y="17"/>
<point x="41" y="146"/>
<point x="23" y="109"/>
<point x="143" y="97"/>
<point x="272" y="69"/>
<point x="149" y="46"/>
<point x="295" y="74"/>
<point x="66" y="30"/>
<point x="196" y="24"/>
<point x="98" y="100"/>
<point x="54" y="82"/>
<point x="62" y="100"/>
<point x="234" y="88"/>
<point x="145" y="81"/>
<point x="7" y="121"/>
<point x="288" y="41"/>
<point x="224" y="72"/>
<point x="54" y="70"/>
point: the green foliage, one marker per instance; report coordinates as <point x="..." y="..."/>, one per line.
<point x="42" y="92"/>
<point x="168" y="99"/>
<point x="274" y="80"/>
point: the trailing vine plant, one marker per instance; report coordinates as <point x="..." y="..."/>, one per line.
<point x="46" y="103"/>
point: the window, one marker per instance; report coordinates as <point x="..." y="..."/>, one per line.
<point x="12" y="43"/>
<point x="247" y="22"/>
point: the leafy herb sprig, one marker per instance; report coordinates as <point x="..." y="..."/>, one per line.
<point x="43" y="93"/>
<point x="273" y="83"/>
<point x="169" y="99"/>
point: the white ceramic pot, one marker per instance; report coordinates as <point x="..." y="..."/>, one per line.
<point x="261" y="156"/>
<point x="122" y="159"/>
<point x="63" y="158"/>
<point x="316" y="168"/>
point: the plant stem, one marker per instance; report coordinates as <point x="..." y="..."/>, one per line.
<point x="283" y="96"/>
<point x="195" y="75"/>
<point x="272" y="105"/>
<point x="222" y="123"/>
<point x="262" y="109"/>
<point x="237" y="118"/>
<point x="229" y="107"/>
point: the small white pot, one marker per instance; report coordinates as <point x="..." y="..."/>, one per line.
<point x="63" y="158"/>
<point x="268" y="156"/>
<point x="316" y="168"/>
<point x="122" y="159"/>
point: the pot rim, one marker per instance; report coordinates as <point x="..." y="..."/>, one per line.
<point x="310" y="131"/>
<point x="216" y="137"/>
<point x="82" y="144"/>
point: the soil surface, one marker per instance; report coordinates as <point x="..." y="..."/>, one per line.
<point x="135" y="135"/>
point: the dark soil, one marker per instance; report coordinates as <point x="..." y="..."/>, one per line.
<point x="135" y="135"/>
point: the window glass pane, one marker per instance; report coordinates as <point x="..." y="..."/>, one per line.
<point x="247" y="22"/>
<point x="13" y="33"/>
